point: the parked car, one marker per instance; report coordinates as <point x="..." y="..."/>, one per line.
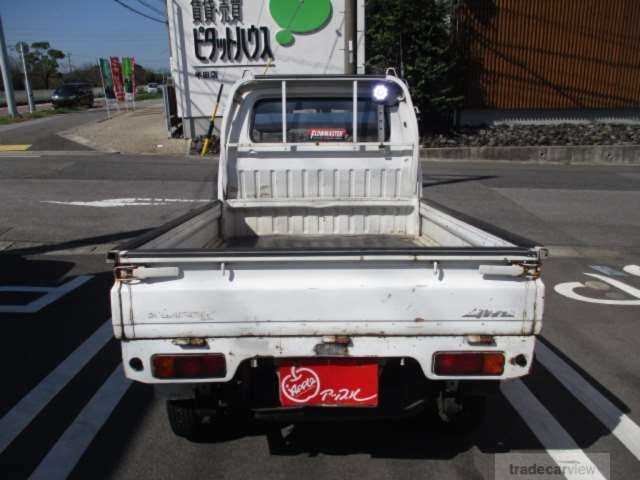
<point x="72" y="94"/>
<point x="320" y="284"/>
<point x="152" y="88"/>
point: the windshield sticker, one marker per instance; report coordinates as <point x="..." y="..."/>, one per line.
<point x="327" y="133"/>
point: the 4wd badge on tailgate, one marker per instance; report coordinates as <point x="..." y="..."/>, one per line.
<point x="343" y="382"/>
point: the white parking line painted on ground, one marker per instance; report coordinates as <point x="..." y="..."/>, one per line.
<point x="65" y="454"/>
<point x="624" y="429"/>
<point x="560" y="446"/>
<point x="23" y="413"/>
<point x="51" y="294"/>
<point x="567" y="289"/>
<point x="632" y="270"/>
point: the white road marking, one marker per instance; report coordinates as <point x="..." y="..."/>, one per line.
<point x="65" y="454"/>
<point x="23" y="413"/>
<point x="51" y="294"/>
<point x="127" y="202"/>
<point x="568" y="289"/>
<point x="547" y="429"/>
<point x="611" y="416"/>
<point x="605" y="270"/>
<point x="632" y="270"/>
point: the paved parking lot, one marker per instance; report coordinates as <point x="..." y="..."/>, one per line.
<point x="66" y="409"/>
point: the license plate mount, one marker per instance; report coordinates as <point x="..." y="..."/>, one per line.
<point x="332" y="382"/>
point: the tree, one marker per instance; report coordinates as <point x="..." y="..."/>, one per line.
<point x="43" y="61"/>
<point x="90" y="73"/>
<point x="87" y="73"/>
<point x="15" y="70"/>
<point x="415" y="38"/>
<point x="146" y="75"/>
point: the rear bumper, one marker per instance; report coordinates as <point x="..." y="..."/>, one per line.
<point x="239" y="350"/>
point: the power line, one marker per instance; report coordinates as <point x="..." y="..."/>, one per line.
<point x="151" y="7"/>
<point x="139" y="12"/>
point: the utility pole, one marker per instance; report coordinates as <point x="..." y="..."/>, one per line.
<point x="69" y="61"/>
<point x="350" y="36"/>
<point x="27" y="82"/>
<point x="6" y="75"/>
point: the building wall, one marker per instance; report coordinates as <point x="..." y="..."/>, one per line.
<point x="551" y="54"/>
<point x="317" y="51"/>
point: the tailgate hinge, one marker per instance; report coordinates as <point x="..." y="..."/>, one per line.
<point x="526" y="269"/>
<point x="129" y="273"/>
<point x="531" y="269"/>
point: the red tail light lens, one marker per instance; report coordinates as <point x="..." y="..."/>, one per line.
<point x="468" y="363"/>
<point x="189" y="366"/>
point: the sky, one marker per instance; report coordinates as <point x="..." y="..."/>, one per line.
<point x="89" y="29"/>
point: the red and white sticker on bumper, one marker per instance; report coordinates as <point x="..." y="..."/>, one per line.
<point x="339" y="382"/>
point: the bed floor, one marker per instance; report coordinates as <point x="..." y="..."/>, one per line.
<point x="277" y="242"/>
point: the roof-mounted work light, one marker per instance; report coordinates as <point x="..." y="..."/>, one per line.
<point x="380" y="93"/>
<point x="386" y="93"/>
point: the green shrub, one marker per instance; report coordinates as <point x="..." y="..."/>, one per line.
<point x="415" y="37"/>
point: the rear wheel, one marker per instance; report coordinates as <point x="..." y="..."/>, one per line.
<point x="183" y="418"/>
<point x="461" y="414"/>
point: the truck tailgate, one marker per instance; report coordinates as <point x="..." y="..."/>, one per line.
<point x="280" y="298"/>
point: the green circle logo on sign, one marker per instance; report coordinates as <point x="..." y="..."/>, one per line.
<point x="298" y="16"/>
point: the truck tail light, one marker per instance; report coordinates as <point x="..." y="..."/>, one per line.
<point x="189" y="366"/>
<point x="468" y="363"/>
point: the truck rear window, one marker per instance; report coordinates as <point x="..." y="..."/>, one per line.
<point x="316" y="120"/>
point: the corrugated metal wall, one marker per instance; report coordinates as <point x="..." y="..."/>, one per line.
<point x="529" y="54"/>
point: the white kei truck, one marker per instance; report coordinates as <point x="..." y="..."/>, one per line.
<point x="320" y="285"/>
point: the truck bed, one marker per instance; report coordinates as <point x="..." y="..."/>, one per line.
<point x="187" y="280"/>
<point x="292" y="242"/>
<point x="441" y="232"/>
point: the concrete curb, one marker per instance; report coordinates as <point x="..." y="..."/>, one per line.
<point x="584" y="155"/>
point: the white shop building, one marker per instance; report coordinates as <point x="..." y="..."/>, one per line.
<point x="215" y="42"/>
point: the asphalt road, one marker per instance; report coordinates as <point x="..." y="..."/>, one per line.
<point x="66" y="409"/>
<point x="42" y="134"/>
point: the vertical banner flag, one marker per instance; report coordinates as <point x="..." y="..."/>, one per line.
<point x="133" y="76"/>
<point x="107" y="81"/>
<point x="128" y="75"/>
<point x="116" y="74"/>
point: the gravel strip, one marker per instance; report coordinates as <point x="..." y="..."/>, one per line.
<point x="536" y="135"/>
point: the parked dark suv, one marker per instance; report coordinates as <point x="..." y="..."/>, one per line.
<point x="72" y="94"/>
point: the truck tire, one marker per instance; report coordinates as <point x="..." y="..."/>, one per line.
<point x="183" y="418"/>
<point x="468" y="419"/>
